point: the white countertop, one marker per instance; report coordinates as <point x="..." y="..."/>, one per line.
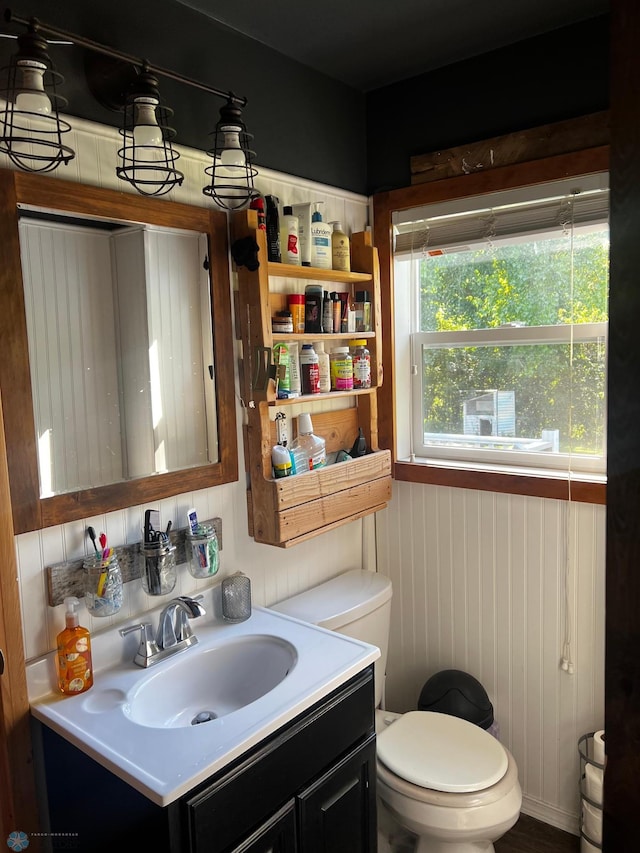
<point x="165" y="763"/>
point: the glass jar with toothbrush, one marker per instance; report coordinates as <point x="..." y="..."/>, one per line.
<point x="102" y="582"/>
<point x="158" y="570"/>
<point x="202" y="548"/>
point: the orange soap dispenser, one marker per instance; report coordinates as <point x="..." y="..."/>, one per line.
<point x="73" y="660"/>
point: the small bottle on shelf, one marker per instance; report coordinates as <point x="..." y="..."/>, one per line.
<point x="324" y="380"/>
<point x="313" y="446"/>
<point x="361" y="364"/>
<point x="337" y="312"/>
<point x="289" y="239"/>
<point x="341" y="369"/>
<point x="340" y="255"/>
<point x="296" y="306"/>
<point x="273" y="229"/>
<point x="321" y="234"/>
<point x="310" y="370"/>
<point x="313" y="309"/>
<point x="362" y="307"/>
<point x="281" y="461"/>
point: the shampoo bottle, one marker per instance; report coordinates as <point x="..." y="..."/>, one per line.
<point x="340" y="255"/>
<point x="73" y="659"/>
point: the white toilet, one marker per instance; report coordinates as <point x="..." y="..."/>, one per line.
<point x="449" y="782"/>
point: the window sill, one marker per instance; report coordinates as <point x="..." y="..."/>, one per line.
<point x="584" y="488"/>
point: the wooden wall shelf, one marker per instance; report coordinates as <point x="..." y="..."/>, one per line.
<point x="287" y="511"/>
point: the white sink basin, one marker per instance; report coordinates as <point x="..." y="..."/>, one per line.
<point x="255" y="676"/>
<point x="195" y="689"/>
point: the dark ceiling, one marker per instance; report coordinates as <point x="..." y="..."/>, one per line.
<point x="370" y="43"/>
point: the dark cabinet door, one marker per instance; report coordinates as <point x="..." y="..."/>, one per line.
<point x="277" y="835"/>
<point x="337" y="814"/>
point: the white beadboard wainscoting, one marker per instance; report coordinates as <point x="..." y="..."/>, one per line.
<point x="479" y="585"/>
<point x="275" y="573"/>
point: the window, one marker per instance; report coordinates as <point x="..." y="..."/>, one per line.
<point x="506" y="299"/>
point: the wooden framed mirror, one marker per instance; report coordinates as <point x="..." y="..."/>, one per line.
<point x="136" y="403"/>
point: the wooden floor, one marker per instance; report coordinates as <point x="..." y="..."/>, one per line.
<point x="527" y="836"/>
<point x="532" y="836"/>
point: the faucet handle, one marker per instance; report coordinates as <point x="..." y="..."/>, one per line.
<point x="148" y="646"/>
<point x="193" y="605"/>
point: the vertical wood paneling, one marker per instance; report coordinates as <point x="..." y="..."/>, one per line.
<point x="479" y="582"/>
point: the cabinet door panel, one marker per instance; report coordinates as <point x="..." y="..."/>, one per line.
<point x="277" y="835"/>
<point x="337" y="814"/>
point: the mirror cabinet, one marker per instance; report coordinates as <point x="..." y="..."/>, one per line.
<point x="117" y="365"/>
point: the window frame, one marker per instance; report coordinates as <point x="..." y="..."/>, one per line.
<point x="496" y="337"/>
<point x="552" y="484"/>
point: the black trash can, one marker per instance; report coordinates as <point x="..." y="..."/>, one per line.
<point x="452" y="691"/>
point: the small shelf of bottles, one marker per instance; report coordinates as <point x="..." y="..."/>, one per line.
<point x="303" y="399"/>
<point x="285" y="511"/>
<point x="316" y="274"/>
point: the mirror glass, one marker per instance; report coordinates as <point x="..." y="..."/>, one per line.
<point x="120" y="342"/>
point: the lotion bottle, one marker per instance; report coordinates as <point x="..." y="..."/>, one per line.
<point x="323" y="366"/>
<point x="289" y="237"/>
<point x="73" y="658"/>
<point x="340" y="254"/>
<point x="321" y="234"/>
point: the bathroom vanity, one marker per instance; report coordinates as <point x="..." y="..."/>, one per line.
<point x="293" y="770"/>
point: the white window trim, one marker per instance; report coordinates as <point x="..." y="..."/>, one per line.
<point x="499" y="336"/>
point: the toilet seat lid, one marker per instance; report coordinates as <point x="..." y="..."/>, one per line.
<point x="442" y="752"/>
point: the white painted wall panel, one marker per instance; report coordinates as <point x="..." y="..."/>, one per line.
<point x="67" y="280"/>
<point x="479" y="582"/>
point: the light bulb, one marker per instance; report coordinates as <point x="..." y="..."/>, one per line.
<point x="232" y="154"/>
<point x="146" y="133"/>
<point x="33" y="99"/>
<point x="231" y="170"/>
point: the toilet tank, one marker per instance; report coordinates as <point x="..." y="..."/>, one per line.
<point x="356" y="603"/>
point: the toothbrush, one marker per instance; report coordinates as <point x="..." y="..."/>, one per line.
<point x="92" y="535"/>
<point x="107" y="553"/>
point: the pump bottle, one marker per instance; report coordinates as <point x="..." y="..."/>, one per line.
<point x="320" y="242"/>
<point x="73" y="658"/>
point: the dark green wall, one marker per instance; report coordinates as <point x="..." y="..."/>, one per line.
<point x="308" y="125"/>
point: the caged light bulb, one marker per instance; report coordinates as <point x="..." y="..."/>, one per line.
<point x="33" y="98"/>
<point x="146" y="133"/>
<point x="231" y="169"/>
<point x="232" y="154"/>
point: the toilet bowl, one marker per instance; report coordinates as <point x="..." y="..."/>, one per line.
<point x="446" y="780"/>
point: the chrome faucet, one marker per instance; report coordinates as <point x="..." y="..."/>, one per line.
<point x="174" y="631"/>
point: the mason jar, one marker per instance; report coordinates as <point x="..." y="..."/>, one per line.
<point x="102" y="584"/>
<point x="158" y="572"/>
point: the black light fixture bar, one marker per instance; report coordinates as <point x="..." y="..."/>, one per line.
<point x="147" y="158"/>
<point x="81" y="41"/>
